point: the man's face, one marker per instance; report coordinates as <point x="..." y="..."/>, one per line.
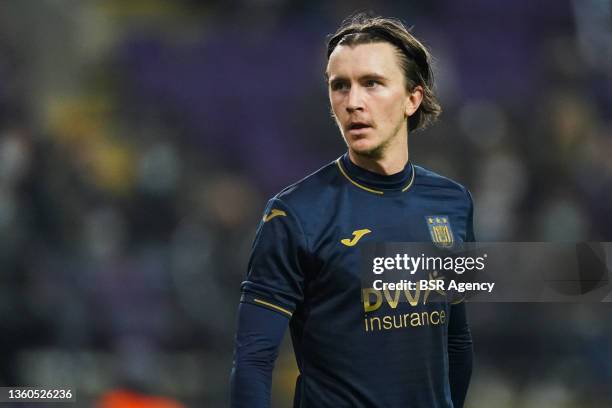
<point x="368" y="97"/>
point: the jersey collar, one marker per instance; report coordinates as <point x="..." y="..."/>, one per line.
<point x="373" y="182"/>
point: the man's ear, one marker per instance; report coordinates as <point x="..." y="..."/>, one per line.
<point x="413" y="100"/>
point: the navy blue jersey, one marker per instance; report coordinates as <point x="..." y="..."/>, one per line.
<point x="305" y="265"/>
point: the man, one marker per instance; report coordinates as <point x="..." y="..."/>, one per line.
<point x="304" y="267"/>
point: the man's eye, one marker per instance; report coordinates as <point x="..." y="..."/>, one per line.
<point x="370" y="83"/>
<point x="339" y="86"/>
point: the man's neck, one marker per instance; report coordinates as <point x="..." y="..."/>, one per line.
<point x="391" y="162"/>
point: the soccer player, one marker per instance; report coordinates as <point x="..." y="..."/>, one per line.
<point x="304" y="267"/>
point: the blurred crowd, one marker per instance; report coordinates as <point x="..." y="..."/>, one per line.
<point x="139" y="142"/>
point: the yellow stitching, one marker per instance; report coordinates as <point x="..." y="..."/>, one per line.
<point x="411" y="180"/>
<point x="273" y="306"/>
<point x="355" y="183"/>
<point x="274" y="213"/>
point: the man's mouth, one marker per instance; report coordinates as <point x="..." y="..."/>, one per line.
<point x="357" y="128"/>
<point x="358" y="125"/>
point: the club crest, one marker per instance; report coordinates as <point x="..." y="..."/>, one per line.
<point x="440" y="230"/>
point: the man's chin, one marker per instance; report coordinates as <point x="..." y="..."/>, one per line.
<point x="368" y="151"/>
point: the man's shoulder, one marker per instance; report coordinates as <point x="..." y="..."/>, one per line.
<point x="430" y="179"/>
<point x="311" y="189"/>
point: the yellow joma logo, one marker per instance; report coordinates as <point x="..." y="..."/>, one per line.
<point x="274" y="213"/>
<point x="356" y="237"/>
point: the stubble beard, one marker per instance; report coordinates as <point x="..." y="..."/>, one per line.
<point x="378" y="152"/>
<point x="375" y="153"/>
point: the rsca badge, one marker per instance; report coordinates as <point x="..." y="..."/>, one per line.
<point x="440" y="230"/>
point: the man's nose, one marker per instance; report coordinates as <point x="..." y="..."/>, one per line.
<point x="355" y="100"/>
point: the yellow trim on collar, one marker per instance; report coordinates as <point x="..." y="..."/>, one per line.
<point x="370" y="189"/>
<point x="411" y="180"/>
<point x="354" y="182"/>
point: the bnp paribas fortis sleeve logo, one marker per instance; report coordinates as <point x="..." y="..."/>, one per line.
<point x="440" y="230"/>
